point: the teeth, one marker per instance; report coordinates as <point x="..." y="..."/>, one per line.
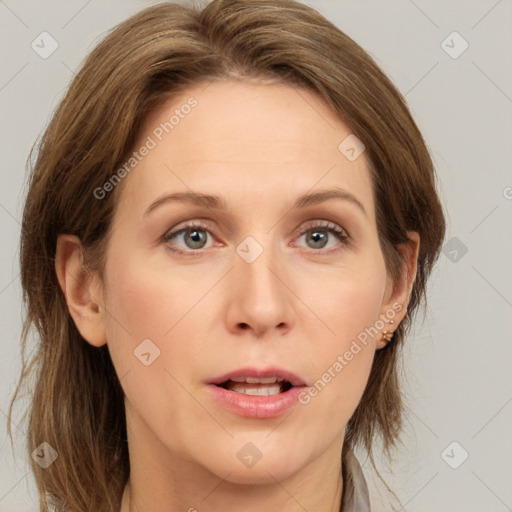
<point x="254" y="390"/>
<point x="268" y="380"/>
<point x="252" y="380"/>
<point x="238" y="379"/>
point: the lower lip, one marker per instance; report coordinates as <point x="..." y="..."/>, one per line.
<point x="250" y="406"/>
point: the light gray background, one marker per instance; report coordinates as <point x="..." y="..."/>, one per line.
<point x="458" y="361"/>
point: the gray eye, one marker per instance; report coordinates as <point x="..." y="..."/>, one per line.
<point x="318" y="237"/>
<point x="197" y="238"/>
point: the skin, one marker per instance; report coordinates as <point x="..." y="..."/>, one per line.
<point x="258" y="146"/>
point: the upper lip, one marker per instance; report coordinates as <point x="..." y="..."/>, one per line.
<point x="260" y="373"/>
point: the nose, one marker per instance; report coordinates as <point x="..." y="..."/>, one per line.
<point x="261" y="299"/>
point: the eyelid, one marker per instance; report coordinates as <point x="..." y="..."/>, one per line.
<point x="174" y="231"/>
<point x="325" y="224"/>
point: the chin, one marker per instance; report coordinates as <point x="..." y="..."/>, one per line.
<point x="260" y="474"/>
<point x="246" y="464"/>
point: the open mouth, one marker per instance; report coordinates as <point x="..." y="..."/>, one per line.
<point x="260" y="393"/>
<point x="257" y="387"/>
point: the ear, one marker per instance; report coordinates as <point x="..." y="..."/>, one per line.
<point x="82" y="290"/>
<point x="398" y="293"/>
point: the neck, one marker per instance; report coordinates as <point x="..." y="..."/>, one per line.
<point x="248" y="499"/>
<point x="174" y="481"/>
<point x="187" y="488"/>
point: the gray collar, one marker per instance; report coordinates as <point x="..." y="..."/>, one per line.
<point x="355" y="496"/>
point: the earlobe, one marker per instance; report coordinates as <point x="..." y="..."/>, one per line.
<point x="397" y="301"/>
<point x="81" y="289"/>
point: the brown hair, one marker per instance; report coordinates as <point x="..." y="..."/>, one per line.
<point x="77" y="405"/>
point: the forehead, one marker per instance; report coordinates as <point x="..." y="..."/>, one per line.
<point x="255" y="139"/>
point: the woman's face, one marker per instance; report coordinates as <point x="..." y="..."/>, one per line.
<point x="267" y="265"/>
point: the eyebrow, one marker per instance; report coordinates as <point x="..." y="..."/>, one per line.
<point x="212" y="202"/>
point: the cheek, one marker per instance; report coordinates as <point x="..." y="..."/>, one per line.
<point x="357" y="311"/>
<point x="351" y="301"/>
<point x="350" y="310"/>
<point x="143" y="302"/>
<point x="143" y="306"/>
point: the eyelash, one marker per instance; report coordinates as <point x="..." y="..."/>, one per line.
<point x="327" y="226"/>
